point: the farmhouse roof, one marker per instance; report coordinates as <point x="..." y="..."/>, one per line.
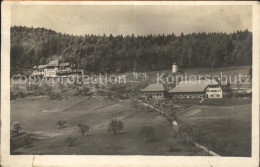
<point x="41" y="66"/>
<point x="53" y="63"/>
<point x="154" y="88"/>
<point x="193" y="86"/>
<point x="64" y="64"/>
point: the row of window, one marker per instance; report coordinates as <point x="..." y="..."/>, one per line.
<point x="213" y="90"/>
<point x="200" y="96"/>
<point x="49" y="70"/>
<point x="215" y="95"/>
<point x="155" y="94"/>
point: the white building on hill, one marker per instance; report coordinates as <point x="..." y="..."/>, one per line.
<point x="55" y="69"/>
<point x="197" y="89"/>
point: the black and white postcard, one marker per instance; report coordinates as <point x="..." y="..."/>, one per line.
<point x="130" y="84"/>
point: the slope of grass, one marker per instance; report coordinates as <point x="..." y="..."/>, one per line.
<point x="222" y="126"/>
<point x="96" y="113"/>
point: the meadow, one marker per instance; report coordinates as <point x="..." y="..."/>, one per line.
<point x="39" y="120"/>
<point x="225" y="124"/>
<point x="226" y="129"/>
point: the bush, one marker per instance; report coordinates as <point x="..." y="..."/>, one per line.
<point x="21" y="95"/>
<point x="16" y="127"/>
<point x="83" y="128"/>
<point x="55" y="96"/>
<point x="115" y="125"/>
<point x="12" y="96"/>
<point x="62" y="87"/>
<point x="147" y="132"/>
<point x="71" y="141"/>
<point x="169" y="120"/>
<point x="61" y="124"/>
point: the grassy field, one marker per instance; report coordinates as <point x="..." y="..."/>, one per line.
<point x="223" y="125"/>
<point x="39" y="118"/>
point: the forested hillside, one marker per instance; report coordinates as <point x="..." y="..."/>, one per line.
<point x="108" y="53"/>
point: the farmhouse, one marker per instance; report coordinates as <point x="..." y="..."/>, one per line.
<point x="55" y="69"/>
<point x="196" y="89"/>
<point x="155" y="91"/>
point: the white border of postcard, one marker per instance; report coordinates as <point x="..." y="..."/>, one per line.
<point x="91" y="160"/>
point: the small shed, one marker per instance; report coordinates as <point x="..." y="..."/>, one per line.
<point x="174" y="67"/>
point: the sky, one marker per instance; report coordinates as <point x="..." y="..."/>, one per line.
<point x="130" y="19"/>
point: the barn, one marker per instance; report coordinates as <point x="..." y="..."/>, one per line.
<point x="196" y="89"/>
<point x="155" y="91"/>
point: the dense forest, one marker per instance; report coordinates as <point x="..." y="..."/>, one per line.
<point x="108" y="53"/>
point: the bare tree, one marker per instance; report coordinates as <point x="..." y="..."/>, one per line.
<point x="83" y="128"/>
<point x="61" y="123"/>
<point x="17" y="127"/>
<point x="70" y="141"/>
<point x="147" y="132"/>
<point x="115" y="125"/>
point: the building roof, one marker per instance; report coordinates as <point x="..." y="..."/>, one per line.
<point x="193" y="86"/>
<point x="153" y="88"/>
<point x="53" y="63"/>
<point x="64" y="64"/>
<point x="41" y="66"/>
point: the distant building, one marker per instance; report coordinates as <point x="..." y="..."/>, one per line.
<point x="38" y="70"/>
<point x="174" y="68"/>
<point x="155" y="91"/>
<point x="55" y="69"/>
<point x="197" y="89"/>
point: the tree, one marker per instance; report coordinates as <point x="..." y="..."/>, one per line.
<point x="70" y="141"/>
<point x="62" y="87"/>
<point x="83" y="128"/>
<point x="227" y="88"/>
<point x="115" y="126"/>
<point x="147" y="132"/>
<point x="16" y="127"/>
<point x="61" y="123"/>
<point x="108" y="53"/>
<point x="85" y="90"/>
<point x="169" y="120"/>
